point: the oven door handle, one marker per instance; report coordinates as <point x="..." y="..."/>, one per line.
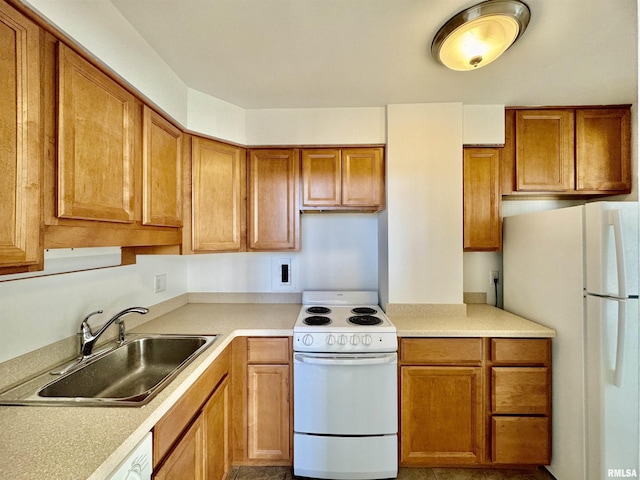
<point x="346" y="360"/>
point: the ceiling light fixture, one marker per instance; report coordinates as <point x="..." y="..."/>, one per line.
<point x="478" y="35"/>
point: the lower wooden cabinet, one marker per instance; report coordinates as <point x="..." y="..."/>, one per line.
<point x="192" y="440"/>
<point x="263" y="426"/>
<point x="475" y="401"/>
<point x="441" y="416"/>
<point x="187" y="460"/>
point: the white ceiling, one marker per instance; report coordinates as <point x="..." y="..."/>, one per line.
<point x="362" y="53"/>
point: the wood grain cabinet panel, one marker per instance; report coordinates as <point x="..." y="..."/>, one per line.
<point x="521" y="440"/>
<point x="268" y="412"/>
<point x="520" y="351"/>
<point x="218" y="196"/>
<point x="161" y="171"/>
<point x="343" y="178"/>
<point x="20" y="141"/>
<point x="441" y="351"/>
<point x="217" y="416"/>
<point x="545" y="150"/>
<point x="187" y="460"/>
<point x="96" y="128"/>
<point x="273" y="213"/>
<point x="363" y="177"/>
<point x="321" y="177"/>
<point x="482" y="199"/>
<point x="520" y="390"/>
<point x="603" y="149"/>
<point x="441" y="416"/>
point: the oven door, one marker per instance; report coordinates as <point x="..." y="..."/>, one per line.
<point x="345" y="394"/>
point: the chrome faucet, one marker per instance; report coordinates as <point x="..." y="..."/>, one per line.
<point x="88" y="338"/>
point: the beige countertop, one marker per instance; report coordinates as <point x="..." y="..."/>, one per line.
<point x="89" y="442"/>
<point x="481" y="321"/>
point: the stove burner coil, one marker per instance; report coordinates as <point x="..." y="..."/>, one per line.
<point x="364" y="320"/>
<point x="318" y="310"/>
<point x="317" y="320"/>
<point x="364" y="311"/>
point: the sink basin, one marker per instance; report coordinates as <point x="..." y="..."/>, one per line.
<point x="129" y="375"/>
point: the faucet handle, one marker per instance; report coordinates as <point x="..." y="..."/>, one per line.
<point x="84" y="326"/>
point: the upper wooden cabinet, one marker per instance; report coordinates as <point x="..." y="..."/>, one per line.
<point x="273" y="214"/>
<point x="218" y="185"/>
<point x="161" y="171"/>
<point x="343" y="179"/>
<point x="96" y="128"/>
<point x="20" y="143"/>
<point x="544" y="150"/>
<point x="585" y="151"/>
<point x="603" y="149"/>
<point x="482" y="200"/>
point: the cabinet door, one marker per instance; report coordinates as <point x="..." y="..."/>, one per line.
<point x="186" y="461"/>
<point x="603" y="149"/>
<point x="482" y="199"/>
<point x="545" y="150"/>
<point x="216" y="419"/>
<point x="96" y="129"/>
<point x="268" y="412"/>
<point x="273" y="200"/>
<point x="321" y="178"/>
<point x="219" y="174"/>
<point x="161" y="171"/>
<point x="20" y="153"/>
<point x="362" y="177"/>
<point x="441" y="416"/>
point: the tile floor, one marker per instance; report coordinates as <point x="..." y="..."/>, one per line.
<point x="286" y="473"/>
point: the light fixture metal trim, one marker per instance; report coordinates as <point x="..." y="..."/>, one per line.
<point x="512" y="16"/>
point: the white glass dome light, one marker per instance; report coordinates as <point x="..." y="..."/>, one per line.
<point x="478" y="35"/>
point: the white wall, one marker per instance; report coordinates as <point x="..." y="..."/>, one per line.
<point x="339" y="252"/>
<point x="212" y="116"/>
<point x="424" y="203"/>
<point x="36" y="312"/>
<point x="102" y="30"/>
<point x="316" y="126"/>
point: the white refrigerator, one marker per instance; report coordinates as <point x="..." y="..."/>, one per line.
<point x="575" y="270"/>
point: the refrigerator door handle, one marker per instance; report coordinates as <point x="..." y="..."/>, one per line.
<point x="620" y="341"/>
<point x="615" y="222"/>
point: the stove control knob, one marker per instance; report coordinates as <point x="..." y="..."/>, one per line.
<point x="307" y="339"/>
<point x="367" y="340"/>
<point x="355" y="340"/>
<point x="331" y="340"/>
<point x="342" y="340"/>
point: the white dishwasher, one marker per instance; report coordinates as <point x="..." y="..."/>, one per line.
<point x="137" y="465"/>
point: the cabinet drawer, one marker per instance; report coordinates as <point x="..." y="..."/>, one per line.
<point x="521" y="351"/>
<point x="268" y="350"/>
<point x="520" y="440"/>
<point x="521" y="390"/>
<point x="439" y="351"/>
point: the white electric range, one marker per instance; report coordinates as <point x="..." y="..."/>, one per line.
<point x="345" y="387"/>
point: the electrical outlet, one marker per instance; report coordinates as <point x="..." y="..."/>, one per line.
<point x="160" y="283"/>
<point x="494" y="275"/>
<point x="283" y="274"/>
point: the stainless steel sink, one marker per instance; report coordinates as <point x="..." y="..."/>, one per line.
<point x="128" y="375"/>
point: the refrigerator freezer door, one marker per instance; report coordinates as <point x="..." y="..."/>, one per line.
<point x="612" y="386"/>
<point x="543" y="282"/>
<point x="611" y="248"/>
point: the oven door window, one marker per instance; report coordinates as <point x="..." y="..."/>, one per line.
<point x="345" y="394"/>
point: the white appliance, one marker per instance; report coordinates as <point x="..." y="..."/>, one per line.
<point x="345" y="388"/>
<point x="138" y="464"/>
<point x="575" y="270"/>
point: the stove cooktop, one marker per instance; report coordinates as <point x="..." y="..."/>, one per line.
<point x="346" y="322"/>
